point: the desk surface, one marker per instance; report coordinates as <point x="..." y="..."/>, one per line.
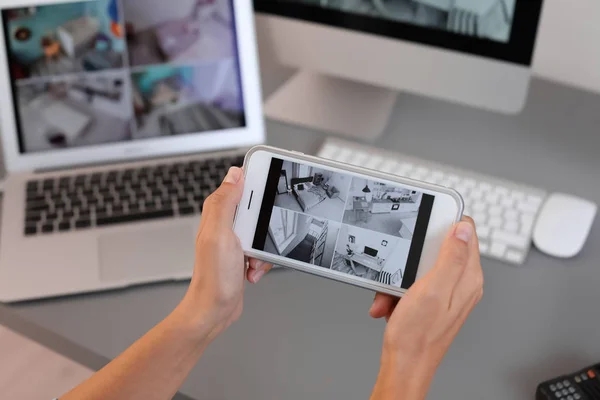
<point x="534" y="321"/>
<point x="367" y="261"/>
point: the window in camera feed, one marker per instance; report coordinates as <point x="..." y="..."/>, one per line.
<point x="356" y="226"/>
<point x="105" y="71"/>
<point x="489" y="19"/>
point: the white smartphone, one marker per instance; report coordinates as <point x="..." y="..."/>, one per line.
<point x="343" y="222"/>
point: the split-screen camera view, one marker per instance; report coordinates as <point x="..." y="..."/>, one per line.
<point x="347" y="224"/>
<point x="105" y="71"/>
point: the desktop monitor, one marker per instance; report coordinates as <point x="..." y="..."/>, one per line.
<point x="355" y="55"/>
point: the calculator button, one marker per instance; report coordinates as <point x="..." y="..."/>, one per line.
<point x="591" y="374"/>
<point x="565" y="392"/>
<point x="584" y="377"/>
<point x="558" y="395"/>
<point x="577" y="396"/>
<point x="570" y="398"/>
<point x="572" y="390"/>
<point x="553" y="388"/>
<point x="577" y="379"/>
<point x="566" y="383"/>
<point x="559" y="385"/>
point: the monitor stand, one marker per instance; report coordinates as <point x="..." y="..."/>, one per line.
<point x="335" y="105"/>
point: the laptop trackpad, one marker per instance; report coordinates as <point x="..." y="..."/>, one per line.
<point x="146" y="254"/>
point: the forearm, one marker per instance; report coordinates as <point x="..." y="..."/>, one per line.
<point x="154" y="367"/>
<point x="403" y="379"/>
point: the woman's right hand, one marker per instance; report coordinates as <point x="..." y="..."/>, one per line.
<point x="423" y="324"/>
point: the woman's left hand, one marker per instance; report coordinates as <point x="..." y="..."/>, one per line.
<point x="217" y="287"/>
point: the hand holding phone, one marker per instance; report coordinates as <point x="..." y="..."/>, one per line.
<point x="342" y="222"/>
<point x="424" y="323"/>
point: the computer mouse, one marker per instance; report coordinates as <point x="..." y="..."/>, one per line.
<point x="563" y="225"/>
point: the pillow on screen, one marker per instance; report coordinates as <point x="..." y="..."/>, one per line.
<point x="300" y="186"/>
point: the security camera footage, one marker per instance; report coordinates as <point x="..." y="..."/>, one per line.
<point x="486" y="19"/>
<point x="105" y="71"/>
<point x="356" y="226"/>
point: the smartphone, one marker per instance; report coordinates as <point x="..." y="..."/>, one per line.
<point x="354" y="225"/>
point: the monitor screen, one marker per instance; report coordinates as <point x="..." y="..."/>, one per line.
<point x="490" y="19"/>
<point x="105" y="71"/>
<point x="500" y="29"/>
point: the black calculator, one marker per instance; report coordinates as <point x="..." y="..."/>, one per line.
<point x="581" y="385"/>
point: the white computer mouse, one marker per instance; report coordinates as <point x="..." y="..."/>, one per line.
<point x="563" y="225"/>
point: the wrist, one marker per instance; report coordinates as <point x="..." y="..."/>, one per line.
<point x="403" y="377"/>
<point x="196" y="321"/>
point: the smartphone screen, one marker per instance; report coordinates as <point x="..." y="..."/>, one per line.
<point x="346" y="223"/>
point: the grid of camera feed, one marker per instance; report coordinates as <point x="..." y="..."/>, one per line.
<point x="489" y="19"/>
<point x="106" y="71"/>
<point x="348" y="224"/>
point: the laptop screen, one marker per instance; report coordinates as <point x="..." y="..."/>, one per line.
<point x="104" y="71"/>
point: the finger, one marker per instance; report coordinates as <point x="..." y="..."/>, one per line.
<point x="383" y="305"/>
<point x="470" y="284"/>
<point x="219" y="208"/>
<point x="453" y="258"/>
<point x="254" y="275"/>
<point x="257" y="264"/>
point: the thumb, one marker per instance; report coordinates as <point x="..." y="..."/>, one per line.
<point x="219" y="208"/>
<point x="453" y="257"/>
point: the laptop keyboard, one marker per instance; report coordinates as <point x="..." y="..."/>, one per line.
<point x="73" y="202"/>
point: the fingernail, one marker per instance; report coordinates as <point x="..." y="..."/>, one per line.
<point x="257" y="275"/>
<point x="233" y="175"/>
<point x="464" y="231"/>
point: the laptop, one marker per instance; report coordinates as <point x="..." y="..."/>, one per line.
<point x="118" y="117"/>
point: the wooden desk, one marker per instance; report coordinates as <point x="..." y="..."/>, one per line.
<point x="365" y="260"/>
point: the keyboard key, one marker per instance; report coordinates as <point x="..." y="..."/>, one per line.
<point x="517" y="195"/>
<point x="507" y="202"/>
<point x="484" y="232"/>
<point x="527" y="207"/>
<point x="83" y="223"/>
<point x="511" y="239"/>
<point x="437" y="175"/>
<point x="64" y="226"/>
<point x="484" y="186"/>
<point x="30" y="229"/>
<point x="498" y="249"/>
<point x="123" y="218"/>
<point x="492" y="197"/>
<point x="495" y="210"/>
<point x="526" y="223"/>
<point x="511" y="226"/>
<point x="479" y="207"/>
<point x="453" y="178"/>
<point x="495" y="222"/>
<point x="534" y="200"/>
<point x="479" y="218"/>
<point x="515" y="256"/>
<point x="511" y="215"/>
<point x="47" y="228"/>
<point x="476" y="194"/>
<point x="186" y="210"/>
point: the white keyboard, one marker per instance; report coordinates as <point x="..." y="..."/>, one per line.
<point x="504" y="211"/>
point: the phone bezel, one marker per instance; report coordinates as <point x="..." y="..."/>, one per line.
<point x="448" y="202"/>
